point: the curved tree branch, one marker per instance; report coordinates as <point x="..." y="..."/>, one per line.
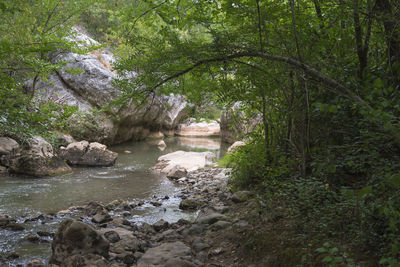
<point x="331" y="83"/>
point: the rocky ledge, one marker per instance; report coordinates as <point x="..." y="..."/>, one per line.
<point x="201" y="128"/>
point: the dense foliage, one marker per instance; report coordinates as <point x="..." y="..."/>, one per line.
<point x="325" y="77"/>
<point x="32" y="32"/>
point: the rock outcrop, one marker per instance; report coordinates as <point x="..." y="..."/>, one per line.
<point x="38" y="159"/>
<point x="88" y="154"/>
<point x="93" y="89"/>
<point x="235" y="124"/>
<point x="187" y="161"/>
<point x="9" y="150"/>
<point x="202" y="128"/>
<point x="235" y="146"/>
<point x="76" y="241"/>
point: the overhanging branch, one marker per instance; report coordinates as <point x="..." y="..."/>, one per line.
<point x="331" y="83"/>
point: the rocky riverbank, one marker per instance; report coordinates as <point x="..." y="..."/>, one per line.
<point x="103" y="235"/>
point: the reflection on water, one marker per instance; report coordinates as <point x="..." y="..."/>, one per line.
<point x="129" y="179"/>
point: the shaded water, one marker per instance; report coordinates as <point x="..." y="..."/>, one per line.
<point x="129" y="179"/>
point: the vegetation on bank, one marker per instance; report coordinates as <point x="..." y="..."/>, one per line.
<point x="324" y="75"/>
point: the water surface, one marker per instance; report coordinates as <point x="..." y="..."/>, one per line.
<point x="129" y="179"/>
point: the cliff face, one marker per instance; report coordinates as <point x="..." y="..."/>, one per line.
<point x="93" y="89"/>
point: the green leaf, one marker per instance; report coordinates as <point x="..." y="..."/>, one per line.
<point x="364" y="191"/>
<point x="327" y="259"/>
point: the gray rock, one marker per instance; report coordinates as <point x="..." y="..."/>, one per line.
<point x="221" y="225"/>
<point x="5" y="220"/>
<point x="160" y="225"/>
<point x="101" y="217"/>
<point x="112" y="236"/>
<point x="93" y="89"/>
<point x="147" y="228"/>
<point x="88" y="154"/>
<point x="84" y="260"/>
<point x="210" y="218"/>
<point x="138" y="255"/>
<point x="177" y="172"/>
<point x="92" y="208"/>
<point x="198" y="246"/>
<point x="190" y="161"/>
<point x="173" y="254"/>
<point x="38" y="160"/>
<point x="15" y="227"/>
<point x="241" y="196"/>
<point x="8" y="146"/>
<point x="196" y="229"/>
<point x="35" y="263"/>
<point x="190" y="204"/>
<point x="65" y="139"/>
<point x="77" y="238"/>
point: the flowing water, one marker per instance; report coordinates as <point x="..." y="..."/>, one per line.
<point x="129" y="179"/>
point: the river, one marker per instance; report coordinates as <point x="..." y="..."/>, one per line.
<point x="129" y="179"/>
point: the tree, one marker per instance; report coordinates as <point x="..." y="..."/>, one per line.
<point x="32" y="32"/>
<point x="324" y="74"/>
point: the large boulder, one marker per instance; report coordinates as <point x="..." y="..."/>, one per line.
<point x="76" y="241"/>
<point x="8" y="146"/>
<point x="88" y="154"/>
<point x="236" y="124"/>
<point x="202" y="128"/>
<point x="9" y="150"/>
<point x="187" y="161"/>
<point x="175" y="254"/>
<point x="93" y="90"/>
<point x="38" y="159"/>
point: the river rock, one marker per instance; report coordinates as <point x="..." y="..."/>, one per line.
<point x="236" y="124"/>
<point x="160" y="225"/>
<point x="210" y="218"/>
<point x="93" y="89"/>
<point x="175" y="254"/>
<point x="101" y="217"/>
<point x="93" y="207"/>
<point x="190" y="161"/>
<point x="190" y="204"/>
<point x="235" y="146"/>
<point x="161" y="143"/>
<point x="3" y="171"/>
<point x="38" y="160"/>
<point x="36" y="263"/>
<point x="6" y="220"/>
<point x="92" y="260"/>
<point x="177" y="172"/>
<point x="112" y="236"/>
<point x="201" y="128"/>
<point x="88" y="154"/>
<point x="77" y="238"/>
